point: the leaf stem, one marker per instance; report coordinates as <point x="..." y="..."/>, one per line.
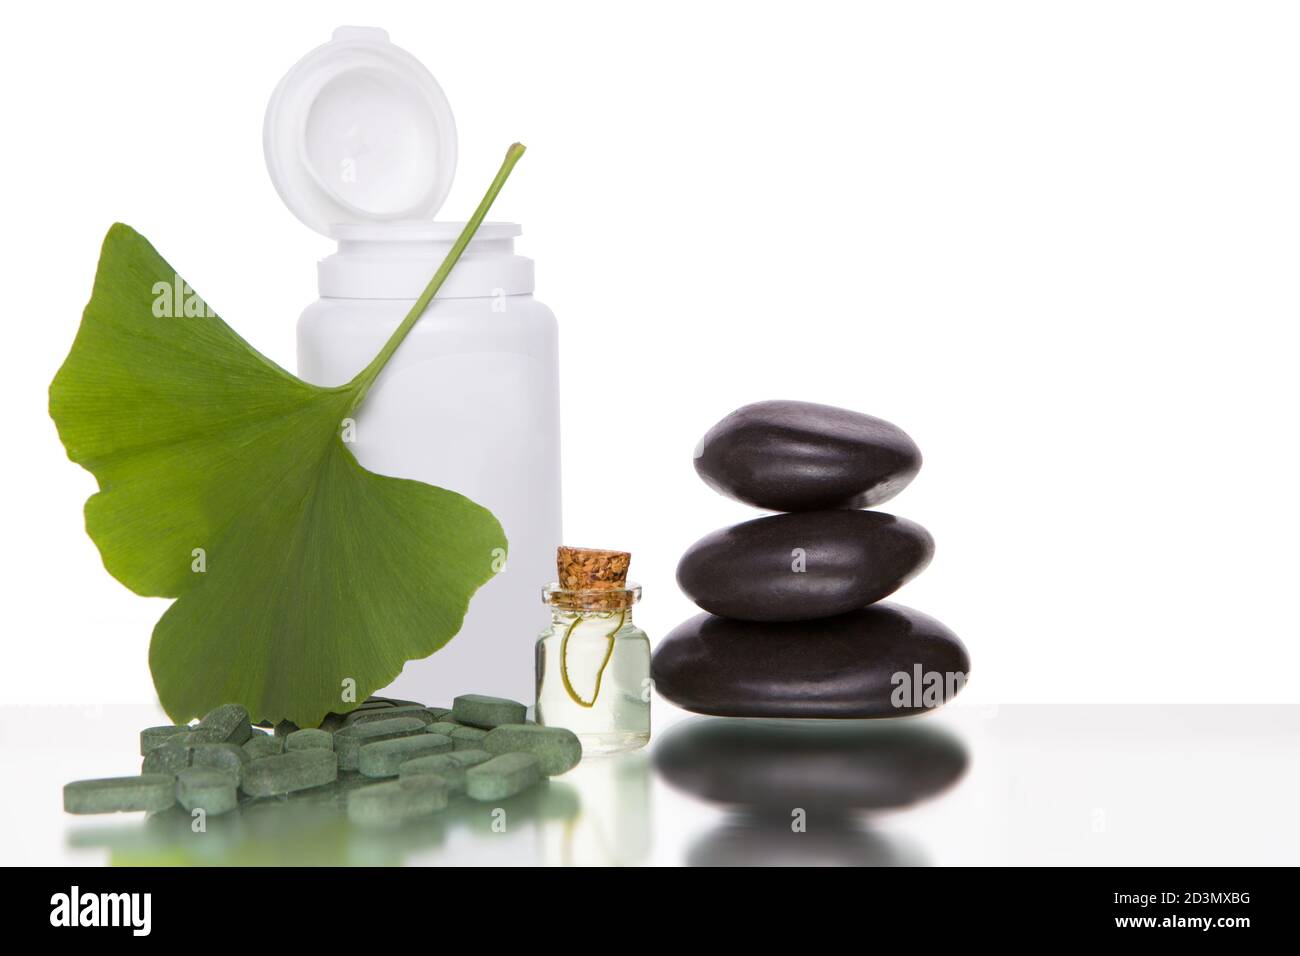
<point x="366" y="377"/>
<point x="600" y="673"/>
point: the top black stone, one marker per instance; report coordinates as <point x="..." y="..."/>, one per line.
<point x="801" y="456"/>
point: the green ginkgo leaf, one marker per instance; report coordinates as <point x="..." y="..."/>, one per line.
<point x="226" y="483"/>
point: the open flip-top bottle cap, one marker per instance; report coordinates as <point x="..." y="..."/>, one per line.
<point x="360" y="132"/>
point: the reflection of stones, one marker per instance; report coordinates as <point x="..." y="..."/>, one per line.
<point x="834" y="772"/>
<point x="767" y="841"/>
<point x="311" y="829"/>
<point x="847" y="765"/>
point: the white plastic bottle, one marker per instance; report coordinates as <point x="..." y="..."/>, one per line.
<point x="361" y="145"/>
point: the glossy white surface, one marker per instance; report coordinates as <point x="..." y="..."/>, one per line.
<point x="1048" y="785"/>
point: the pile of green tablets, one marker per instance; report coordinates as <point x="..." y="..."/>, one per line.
<point x="387" y="762"/>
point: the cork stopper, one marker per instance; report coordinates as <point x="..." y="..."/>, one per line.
<point x="586" y="569"/>
<point x="590" y="579"/>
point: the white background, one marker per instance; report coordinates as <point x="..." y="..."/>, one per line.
<point x="1056" y="243"/>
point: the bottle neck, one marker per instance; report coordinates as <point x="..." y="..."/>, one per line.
<point x="561" y="616"/>
<point x="395" y="260"/>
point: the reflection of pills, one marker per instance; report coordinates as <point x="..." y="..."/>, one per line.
<point x="397" y="801"/>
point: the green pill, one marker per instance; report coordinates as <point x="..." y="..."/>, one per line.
<point x="444" y="727"/>
<point x="555" y="748"/>
<point x="229" y="723"/>
<point x="348" y="741"/>
<point x="289" y="772"/>
<point x="480" y="711"/>
<point x="390" y="702"/>
<point x="309" y="739"/>
<point x="170" y="757"/>
<point x="263" y="745"/>
<point x="387" y="713"/>
<point x="374" y="703"/>
<point x="382" y="758"/>
<point x="502" y="776"/>
<point x="199" y="734"/>
<point x="284" y="728"/>
<point x="152" y="737"/>
<point x="450" y="768"/>
<point x="213" y="791"/>
<point x="228" y="758"/>
<point x="397" y="801"/>
<point x="149" y="791"/>
<point x="468" y="738"/>
<point x="470" y="758"/>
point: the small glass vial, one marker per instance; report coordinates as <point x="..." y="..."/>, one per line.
<point x="593" y="663"/>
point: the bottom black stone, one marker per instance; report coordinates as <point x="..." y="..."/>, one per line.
<point x="885" y="660"/>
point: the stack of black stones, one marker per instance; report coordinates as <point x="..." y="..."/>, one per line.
<point x="792" y="624"/>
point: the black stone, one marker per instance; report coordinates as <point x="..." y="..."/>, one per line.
<point x="800" y="456"/>
<point x="810" y="564"/>
<point x="770" y="766"/>
<point x="882" y="661"/>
